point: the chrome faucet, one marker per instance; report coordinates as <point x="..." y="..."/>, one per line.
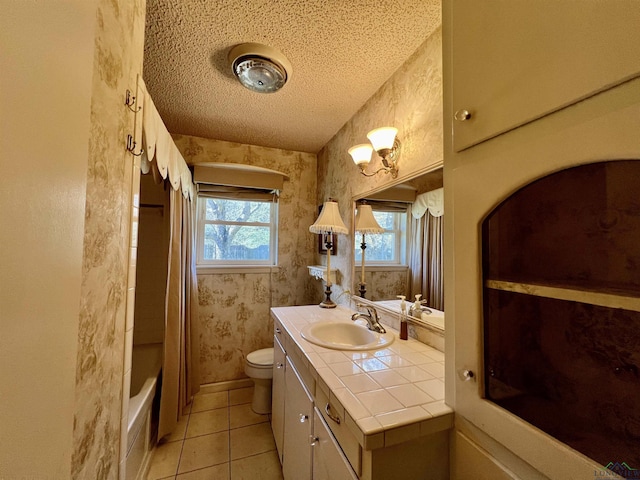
<point x="371" y="317"/>
<point x="418" y="314"/>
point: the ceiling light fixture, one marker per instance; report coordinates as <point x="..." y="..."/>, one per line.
<point x="387" y="146"/>
<point x="260" y="68"/>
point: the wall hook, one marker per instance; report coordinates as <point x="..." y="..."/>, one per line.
<point x="130" y="101"/>
<point x="131" y="146"/>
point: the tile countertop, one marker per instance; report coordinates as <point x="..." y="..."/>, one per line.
<point x="388" y="395"/>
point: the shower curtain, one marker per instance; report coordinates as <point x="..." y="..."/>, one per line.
<point x="181" y="370"/>
<point x="426" y="261"/>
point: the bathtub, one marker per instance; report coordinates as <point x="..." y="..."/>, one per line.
<point x="434" y="319"/>
<point x="146" y="363"/>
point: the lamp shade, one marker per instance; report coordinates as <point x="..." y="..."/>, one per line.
<point x="361" y="153"/>
<point x="382" y="137"/>
<point x="366" y="222"/>
<point x="329" y="220"/>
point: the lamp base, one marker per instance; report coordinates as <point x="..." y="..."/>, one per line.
<point x="327" y="302"/>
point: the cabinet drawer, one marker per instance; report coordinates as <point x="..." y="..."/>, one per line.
<point x="341" y="432"/>
<point x="329" y="463"/>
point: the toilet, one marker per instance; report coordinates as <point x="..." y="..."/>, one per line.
<point x="259" y="367"/>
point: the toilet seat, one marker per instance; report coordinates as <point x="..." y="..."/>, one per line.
<point x="261" y="358"/>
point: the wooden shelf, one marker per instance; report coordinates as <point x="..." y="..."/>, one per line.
<point x="603" y="299"/>
<point x="320" y="272"/>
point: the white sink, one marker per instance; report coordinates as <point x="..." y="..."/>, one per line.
<point x="345" y="336"/>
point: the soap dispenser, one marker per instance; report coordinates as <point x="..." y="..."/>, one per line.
<point x="416" y="308"/>
<point x="404" y="335"/>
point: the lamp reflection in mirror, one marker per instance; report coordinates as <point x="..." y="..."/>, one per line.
<point x="386" y="144"/>
<point x="329" y="222"/>
<point x="365" y="223"/>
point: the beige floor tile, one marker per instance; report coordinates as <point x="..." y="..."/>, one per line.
<point x="210" y="421"/>
<point x="209" y="401"/>
<point x="265" y="466"/>
<point x="217" y="472"/>
<point x="204" y="451"/>
<point x="251" y="440"/>
<point x="165" y="460"/>
<point x="180" y="430"/>
<point x="242" y="416"/>
<point x="240" y="396"/>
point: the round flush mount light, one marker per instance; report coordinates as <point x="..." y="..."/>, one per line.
<point x="259" y="68"/>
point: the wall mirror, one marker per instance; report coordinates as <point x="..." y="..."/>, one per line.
<point x="405" y="257"/>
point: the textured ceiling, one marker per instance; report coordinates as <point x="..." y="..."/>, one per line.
<point x="341" y="51"/>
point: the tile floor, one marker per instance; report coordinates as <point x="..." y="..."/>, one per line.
<point x="220" y="439"/>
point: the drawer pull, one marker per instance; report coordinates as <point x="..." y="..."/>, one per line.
<point x="313" y="441"/>
<point x="303" y="418"/>
<point x="278" y="330"/>
<point x="335" y="418"/>
<point x="279" y="365"/>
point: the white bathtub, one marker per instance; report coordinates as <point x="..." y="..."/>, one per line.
<point x="434" y="319"/>
<point x="146" y="363"/>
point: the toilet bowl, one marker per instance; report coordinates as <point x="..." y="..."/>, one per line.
<point x="259" y="367"/>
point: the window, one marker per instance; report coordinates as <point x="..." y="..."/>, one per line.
<point x="390" y="246"/>
<point x="237" y="231"/>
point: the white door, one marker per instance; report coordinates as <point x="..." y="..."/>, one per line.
<point x="298" y="426"/>
<point x="277" y="397"/>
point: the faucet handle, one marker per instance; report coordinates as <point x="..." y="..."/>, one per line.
<point x="370" y="310"/>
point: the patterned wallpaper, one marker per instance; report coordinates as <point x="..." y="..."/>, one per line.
<point x="411" y="101"/>
<point x="234" y="307"/>
<point x="384" y="285"/>
<point x="118" y="59"/>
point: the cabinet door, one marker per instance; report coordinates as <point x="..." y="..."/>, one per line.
<point x="329" y="463"/>
<point x="277" y="396"/>
<point x="514" y="61"/>
<point x="298" y="427"/>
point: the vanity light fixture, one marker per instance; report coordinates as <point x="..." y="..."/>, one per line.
<point x="365" y="223"/>
<point x="386" y="144"/>
<point x="329" y="222"/>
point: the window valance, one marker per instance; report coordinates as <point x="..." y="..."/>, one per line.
<point x="432" y="201"/>
<point x="158" y="147"/>
<point x="237" y="175"/>
<point x="388" y="206"/>
<point x="236" y="193"/>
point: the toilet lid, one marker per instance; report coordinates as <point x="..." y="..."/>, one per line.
<point x="261" y="357"/>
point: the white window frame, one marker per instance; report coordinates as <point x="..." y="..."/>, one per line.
<point x="401" y="237"/>
<point x="201" y="262"/>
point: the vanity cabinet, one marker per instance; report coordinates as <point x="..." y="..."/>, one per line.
<point x="514" y="62"/>
<point x="298" y="427"/>
<point x="321" y="438"/>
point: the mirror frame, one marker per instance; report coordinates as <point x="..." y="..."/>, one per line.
<point x="355" y="299"/>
